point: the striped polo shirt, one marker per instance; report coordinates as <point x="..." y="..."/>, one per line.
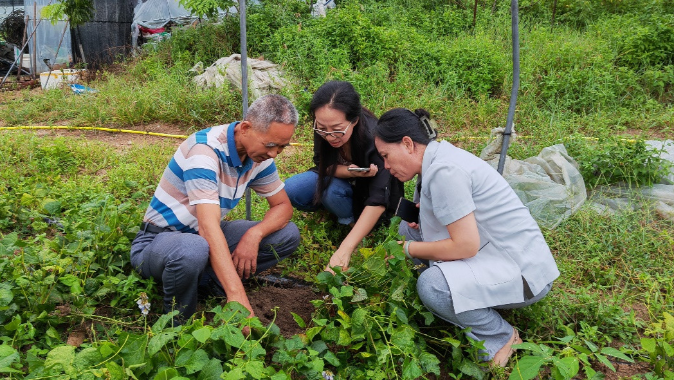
<point x="206" y="169"/>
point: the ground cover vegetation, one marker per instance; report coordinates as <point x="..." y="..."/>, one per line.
<point x="69" y="207"/>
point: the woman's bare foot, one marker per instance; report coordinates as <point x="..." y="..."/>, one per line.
<point x="503" y="355"/>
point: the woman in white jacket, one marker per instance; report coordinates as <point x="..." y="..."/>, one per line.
<point x="485" y="250"/>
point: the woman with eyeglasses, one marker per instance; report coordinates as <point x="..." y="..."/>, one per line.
<point x="348" y="179"/>
<point x="485" y="250"/>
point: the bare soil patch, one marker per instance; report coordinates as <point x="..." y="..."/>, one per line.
<point x="624" y="370"/>
<point x="651" y="134"/>
<point x="121" y="141"/>
<point x="294" y="299"/>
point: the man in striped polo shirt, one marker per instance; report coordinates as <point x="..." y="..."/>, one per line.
<point x="185" y="244"/>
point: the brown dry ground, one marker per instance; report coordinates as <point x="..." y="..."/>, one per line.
<point x="274" y="303"/>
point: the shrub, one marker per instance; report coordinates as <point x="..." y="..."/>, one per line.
<point x="659" y="82"/>
<point x="350" y="39"/>
<point x="207" y="43"/>
<point x="268" y="16"/>
<point x="660" y="346"/>
<point x="476" y="62"/>
<point x="583" y="13"/>
<point x="640" y="40"/>
<point x="618" y="160"/>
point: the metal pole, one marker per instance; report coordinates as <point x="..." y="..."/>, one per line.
<point x="34" y="50"/>
<point x="514" y="9"/>
<point x="244" y="81"/>
<point x="23" y="46"/>
<point x="32" y="35"/>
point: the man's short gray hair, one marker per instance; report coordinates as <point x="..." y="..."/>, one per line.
<point x="269" y="109"/>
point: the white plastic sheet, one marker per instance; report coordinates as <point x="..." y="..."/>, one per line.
<point x="264" y="76"/>
<point x="659" y="197"/>
<point x="155" y="14"/>
<point x="665" y="150"/>
<point x="47" y="38"/>
<point x="549" y="184"/>
<point x="318" y="9"/>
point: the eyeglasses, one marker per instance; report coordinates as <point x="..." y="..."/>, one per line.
<point x="335" y="134"/>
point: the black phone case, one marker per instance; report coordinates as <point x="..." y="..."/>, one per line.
<point x="408" y="211"/>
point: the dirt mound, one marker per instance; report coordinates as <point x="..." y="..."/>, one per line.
<point x="295" y="299"/>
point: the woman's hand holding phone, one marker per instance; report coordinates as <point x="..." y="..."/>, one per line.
<point x="356" y="171"/>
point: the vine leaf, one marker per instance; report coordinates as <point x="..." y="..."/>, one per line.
<point x="610" y="351"/>
<point x="527" y="368"/>
<point x="359" y="295"/>
<point x="299" y="320"/>
<point x="158" y="342"/>
<point x="202" y="334"/>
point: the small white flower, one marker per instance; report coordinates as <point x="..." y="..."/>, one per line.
<point x="143" y="304"/>
<point x="327" y="375"/>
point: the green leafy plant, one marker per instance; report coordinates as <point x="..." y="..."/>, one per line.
<point x="77" y="12"/>
<point x="193" y="350"/>
<point x="616" y="159"/>
<point x="660" y="346"/>
<point x="564" y="360"/>
<point x="370" y="315"/>
<point x="208" y="8"/>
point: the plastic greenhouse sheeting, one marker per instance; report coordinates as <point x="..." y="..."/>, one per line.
<point x="549" y="184"/>
<point x="47" y="38"/>
<point x="155" y="14"/>
<point x="665" y="150"/>
<point x="610" y="200"/>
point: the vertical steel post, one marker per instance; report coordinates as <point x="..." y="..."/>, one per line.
<point x="23" y="46"/>
<point x="34" y="50"/>
<point x="514" y="9"/>
<point x="244" y="81"/>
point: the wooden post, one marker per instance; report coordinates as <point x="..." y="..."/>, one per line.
<point x="23" y="45"/>
<point x="79" y="44"/>
<point x="34" y="50"/>
<point x="554" y="11"/>
<point x="474" y="14"/>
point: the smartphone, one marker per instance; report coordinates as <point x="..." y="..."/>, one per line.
<point x="408" y="211"/>
<point x="358" y="169"/>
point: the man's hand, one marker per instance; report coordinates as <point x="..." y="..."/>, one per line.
<point x="243" y="300"/>
<point x="244" y="256"/>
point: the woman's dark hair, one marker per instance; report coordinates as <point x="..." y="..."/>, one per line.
<point x="400" y="122"/>
<point x="340" y="96"/>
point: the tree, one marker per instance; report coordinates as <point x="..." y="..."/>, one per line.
<point x="208" y="8"/>
<point x="77" y="12"/>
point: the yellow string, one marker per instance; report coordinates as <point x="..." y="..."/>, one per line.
<point x="117" y="130"/>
